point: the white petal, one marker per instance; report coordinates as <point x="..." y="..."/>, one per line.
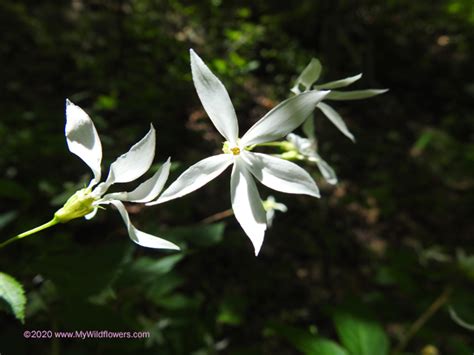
<point x="336" y="119"/>
<point x="195" y="177"/>
<point x="92" y="214"/>
<point x="270" y="215"/>
<point x="339" y="83"/>
<point x="304" y="146"/>
<point x="215" y="99"/>
<point x="308" y="76"/>
<point x="326" y="171"/>
<point x="354" y="95"/>
<point x="284" y="118"/>
<point x="146" y="191"/>
<point x="135" y="162"/>
<point x="139" y="237"/>
<point x="280" y="175"/>
<point x="247" y="205"/>
<point x="82" y="138"/>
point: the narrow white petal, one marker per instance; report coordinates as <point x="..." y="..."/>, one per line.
<point x="355" y="94"/>
<point x="146" y="191"/>
<point x="82" y="138"/>
<point x="339" y="83"/>
<point x="247" y="205"/>
<point x="139" y="237"/>
<point x="326" y="171"/>
<point x="215" y="99"/>
<point x="308" y="76"/>
<point x="280" y="175"/>
<point x="195" y="177"/>
<point x="336" y="119"/>
<point x="284" y="118"/>
<point x="92" y="214"/>
<point x="135" y="162"/>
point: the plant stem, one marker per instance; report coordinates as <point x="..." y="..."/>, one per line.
<point x="420" y="322"/>
<point x="30" y="232"/>
<point x="218" y="216"/>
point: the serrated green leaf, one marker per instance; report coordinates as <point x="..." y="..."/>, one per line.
<point x="354" y="95"/>
<point x="13" y="293"/>
<point x="336" y="119"/>
<point x="361" y="336"/>
<point x="339" y="83"/>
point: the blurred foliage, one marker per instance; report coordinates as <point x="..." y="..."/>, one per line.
<point x="390" y="239"/>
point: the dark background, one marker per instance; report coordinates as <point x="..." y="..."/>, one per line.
<point x="394" y="236"/>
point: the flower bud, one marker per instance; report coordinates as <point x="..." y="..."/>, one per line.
<point x="78" y="205"/>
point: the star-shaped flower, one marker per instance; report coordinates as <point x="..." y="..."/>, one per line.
<point x="307" y="149"/>
<point x="270" y="205"/>
<point x="83" y="140"/>
<point x="275" y="173"/>
<point x="311" y="74"/>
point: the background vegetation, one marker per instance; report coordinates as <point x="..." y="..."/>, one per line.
<point x="372" y="267"/>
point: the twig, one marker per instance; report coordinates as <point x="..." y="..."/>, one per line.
<point x="218" y="216"/>
<point x="420" y="322"/>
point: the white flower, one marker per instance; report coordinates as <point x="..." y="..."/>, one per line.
<point x="307" y="148"/>
<point x="83" y="140"/>
<point x="270" y="205"/>
<point x="275" y="173"/>
<point x="311" y="74"/>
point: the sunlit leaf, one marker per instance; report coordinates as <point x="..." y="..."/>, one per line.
<point x="11" y="291"/>
<point x="361" y="336"/>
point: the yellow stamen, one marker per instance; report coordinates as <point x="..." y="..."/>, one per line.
<point x="235" y="150"/>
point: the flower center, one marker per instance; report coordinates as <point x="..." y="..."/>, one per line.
<point x="235" y="150"/>
<point x="228" y="150"/>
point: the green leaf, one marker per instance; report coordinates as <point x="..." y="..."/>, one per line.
<point x="360" y="335"/>
<point x="339" y="83"/>
<point x="308" y="343"/>
<point x="322" y="346"/>
<point x="354" y="95"/>
<point x="84" y="271"/>
<point x="146" y="270"/>
<point x="12" y="292"/>
<point x="198" y="235"/>
<point x="336" y="119"/>
<point x="308" y="76"/>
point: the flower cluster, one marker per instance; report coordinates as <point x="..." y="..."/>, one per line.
<point x="275" y="171"/>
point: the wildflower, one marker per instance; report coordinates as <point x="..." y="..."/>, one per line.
<point x="83" y="141"/>
<point x="307" y="150"/>
<point x="270" y="206"/>
<point x="312" y="73"/>
<point x="275" y="173"/>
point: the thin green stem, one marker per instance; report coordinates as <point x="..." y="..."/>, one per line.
<point x="51" y="223"/>
<point x="420" y="322"/>
<point x="269" y="144"/>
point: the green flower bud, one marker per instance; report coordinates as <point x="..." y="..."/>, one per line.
<point x="78" y="205"/>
